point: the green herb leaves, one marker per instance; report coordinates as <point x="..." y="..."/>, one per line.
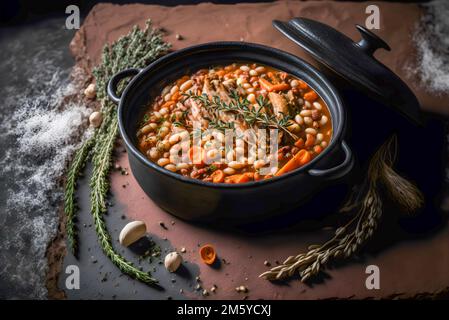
<point x="134" y="50"/>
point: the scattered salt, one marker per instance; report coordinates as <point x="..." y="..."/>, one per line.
<point x="432" y="42"/>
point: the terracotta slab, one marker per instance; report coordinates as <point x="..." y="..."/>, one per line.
<point x="405" y="267"/>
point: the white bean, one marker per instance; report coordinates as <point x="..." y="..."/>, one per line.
<point x="253" y="73"/>
<point x="165" y="90"/>
<point x="167" y="97"/>
<point x="163" y="131"/>
<point x="163" y="162"/>
<point x="319" y="137"/>
<point x="250" y="90"/>
<point x="165" y="145"/>
<point x="307" y="104"/>
<point x="306" y="113"/>
<point x="246" y="85"/>
<point x="294" y="128"/>
<point x="317" y="105"/>
<point x="229" y="171"/>
<point x="170" y="167"/>
<point x="308" y="120"/>
<point x="324" y="120"/>
<point x="251" y="98"/>
<point x="294" y="83"/>
<point x="241" y="81"/>
<point x="260" y="69"/>
<point x="186" y="85"/>
<point x="182" y="165"/>
<point x="154" y="153"/>
<point x="146" y="129"/>
<point x="157" y="115"/>
<point x="236" y="165"/>
<point x="174" y="89"/>
<point x="244" y="68"/>
<point x="324" y="144"/>
<point x="174" y="138"/>
<point x="163" y="111"/>
<point x="299" y="119"/>
<point x="311" y="131"/>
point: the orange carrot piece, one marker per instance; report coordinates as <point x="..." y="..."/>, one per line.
<point x="299" y="143"/>
<point x="208" y="254"/>
<point x="217" y="176"/>
<point x="302" y="85"/>
<point x="317" y="149"/>
<point x="280" y="87"/>
<point x="238" y="178"/>
<point x="298" y="160"/>
<point x="175" y="96"/>
<point x="265" y="84"/>
<point x="168" y="104"/>
<point x="310" y="96"/>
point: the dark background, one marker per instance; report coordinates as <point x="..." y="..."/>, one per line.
<point x="24" y="11"/>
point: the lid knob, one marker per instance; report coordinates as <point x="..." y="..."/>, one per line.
<point x="370" y="41"/>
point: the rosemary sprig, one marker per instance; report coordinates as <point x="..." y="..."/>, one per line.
<point x="134" y="50"/>
<point x="367" y="203"/>
<point x="241" y="107"/>
<point x="78" y="163"/>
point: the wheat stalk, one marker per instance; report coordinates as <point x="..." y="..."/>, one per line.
<point x="367" y="204"/>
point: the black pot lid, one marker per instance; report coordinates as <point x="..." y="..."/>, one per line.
<point x="353" y="61"/>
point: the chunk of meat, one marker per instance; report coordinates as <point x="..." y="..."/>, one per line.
<point x="280" y="107"/>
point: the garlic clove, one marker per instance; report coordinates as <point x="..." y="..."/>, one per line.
<point x="132" y="232"/>
<point x="172" y="261"/>
<point x="90" y="91"/>
<point x="95" y="119"/>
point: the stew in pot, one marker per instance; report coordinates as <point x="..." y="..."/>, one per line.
<point x="210" y="125"/>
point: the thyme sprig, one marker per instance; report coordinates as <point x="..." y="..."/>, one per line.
<point x="135" y="50"/>
<point x="367" y="203"/>
<point x="252" y="116"/>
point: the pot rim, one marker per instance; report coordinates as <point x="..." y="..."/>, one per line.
<point x="331" y="91"/>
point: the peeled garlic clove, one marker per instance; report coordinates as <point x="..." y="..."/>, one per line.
<point x="172" y="261"/>
<point x="90" y="91"/>
<point x="132" y="232"/>
<point x="95" y="119"/>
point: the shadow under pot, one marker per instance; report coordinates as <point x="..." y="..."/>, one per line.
<point x="198" y="200"/>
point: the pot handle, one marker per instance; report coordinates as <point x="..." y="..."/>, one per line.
<point x="116" y="78"/>
<point x="339" y="170"/>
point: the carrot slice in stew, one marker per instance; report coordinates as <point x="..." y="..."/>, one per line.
<point x="168" y="104"/>
<point x="175" y="96"/>
<point x="310" y="96"/>
<point x="217" y="176"/>
<point x="265" y="84"/>
<point x="298" y="160"/>
<point x="208" y="254"/>
<point x="280" y="87"/>
<point x="299" y="143"/>
<point x="302" y="84"/>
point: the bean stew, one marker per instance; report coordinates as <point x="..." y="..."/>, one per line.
<point x="186" y="129"/>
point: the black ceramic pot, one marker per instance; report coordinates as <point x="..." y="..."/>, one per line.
<point x="197" y="200"/>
